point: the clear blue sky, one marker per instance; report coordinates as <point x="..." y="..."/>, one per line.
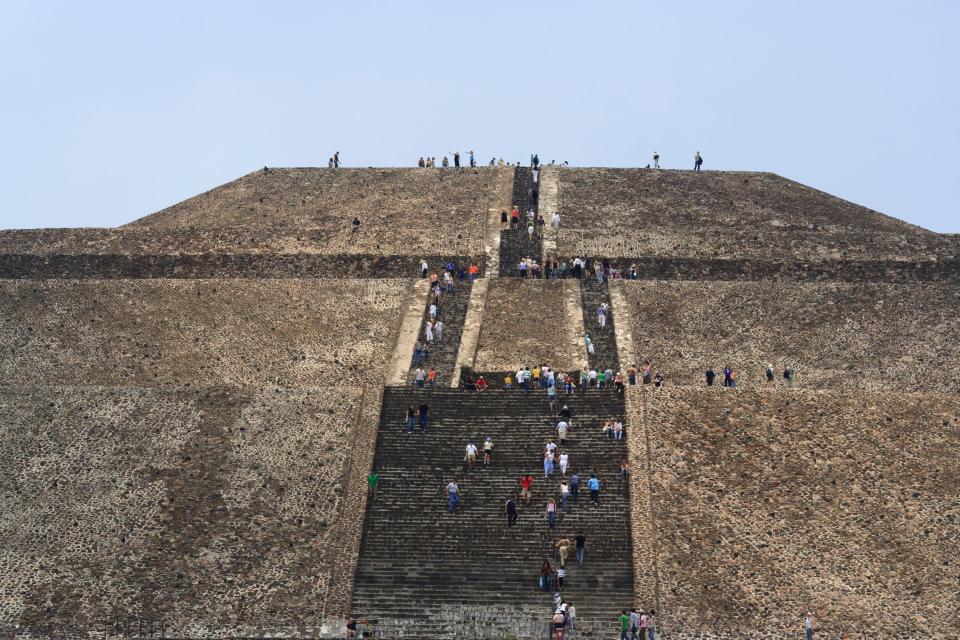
<point x="112" y="110"/>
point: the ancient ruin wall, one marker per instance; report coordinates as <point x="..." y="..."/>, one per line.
<point x="524" y="323"/>
<point x="726" y="215"/>
<point x="871" y="337"/>
<point x="198" y="332"/>
<point x="764" y="505"/>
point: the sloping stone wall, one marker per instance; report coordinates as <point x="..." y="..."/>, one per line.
<point x="871" y="337"/>
<point x="524" y="323"/>
<point x="727" y="215"/>
<point x="765" y="505"/>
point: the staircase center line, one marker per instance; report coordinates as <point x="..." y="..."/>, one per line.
<point x="653" y="510"/>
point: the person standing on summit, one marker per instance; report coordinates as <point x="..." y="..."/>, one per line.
<point x="697" y="161"/>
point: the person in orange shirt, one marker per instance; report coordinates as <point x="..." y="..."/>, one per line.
<point x="432" y="376"/>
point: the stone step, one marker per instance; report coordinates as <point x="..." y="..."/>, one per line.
<point x="592" y="294"/>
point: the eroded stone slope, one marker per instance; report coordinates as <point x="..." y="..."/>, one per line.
<point x="766" y="505"/>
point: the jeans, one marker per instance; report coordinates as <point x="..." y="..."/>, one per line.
<point x="511" y="519"/>
<point x="420" y="383"/>
<point x="552" y="519"/>
<point x="595" y="496"/>
<point x="410" y="424"/>
<point x="423" y="422"/>
<point x="580" y="553"/>
<point x="564" y="501"/>
<point x="575" y="491"/>
<point x="809" y="634"/>
<point x="651" y="632"/>
<point x="453" y="501"/>
<point x="547" y="468"/>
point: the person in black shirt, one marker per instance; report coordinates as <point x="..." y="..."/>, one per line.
<point x="511" y="509"/>
<point x="424" y="412"/>
<point x="710" y="376"/>
<point x="581" y="541"/>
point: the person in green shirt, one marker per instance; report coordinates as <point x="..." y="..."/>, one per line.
<point x="372" y="481"/>
<point x="624" y="625"/>
<point x="601" y="380"/>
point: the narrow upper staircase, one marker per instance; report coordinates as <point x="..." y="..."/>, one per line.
<point x="592" y="294"/>
<point x="452" y="310"/>
<point x="517" y="244"/>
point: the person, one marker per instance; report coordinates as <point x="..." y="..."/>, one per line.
<point x="697" y="161"/>
<point x="530" y="229"/>
<point x="488" y="450"/>
<point x="356" y="225"/>
<point x="581" y="546"/>
<point x="421" y="162"/>
<point x="424" y="412"/>
<point x="456" y="159"/>
<point x="565" y="496"/>
<point x="525" y="483"/>
<point x="769" y="373"/>
<point x="473" y="271"/>
<point x="445" y="163"/>
<point x="555" y="222"/>
<point x="726" y="375"/>
<point x="503" y="218"/>
<point x="473" y="161"/>
<point x="453" y="496"/>
<point x="418" y="377"/>
<point x="589" y="343"/>
<point x="559" y="620"/>
<point x="624" y="625"/>
<point x="602" y="315"/>
<point x="562" y="427"/>
<point x="507" y="382"/>
<point x="808" y="626"/>
<point x="658" y="381"/>
<point x="733" y="378"/>
<point x="535" y="161"/>
<point x="593" y="378"/>
<point x="618" y="430"/>
<point x="602" y="380"/>
<point x="433" y="310"/>
<point x="594" y="484"/>
<point x="552" y="397"/>
<point x="632" y="374"/>
<point x="565" y="413"/>
<point x="647" y="372"/>
<point x="656" y="160"/>
<point x="514" y="217"/>
<point x="618" y="382"/>
<point x="511" y="509"/>
<point x="710" y="375"/>
<point x="634" y="623"/>
<point x="448" y="281"/>
<point x="564" y="547"/>
<point x="651" y="625"/>
<point x="575" y="486"/>
<point x="788" y="376"/>
<point x="372" y="480"/>
<point x="482" y="383"/>
<point x="352" y="622"/>
<point x="336" y="160"/>
<point x="561" y="574"/>
<point x="423" y="268"/>
<point x="428" y="330"/>
<point x="548" y="463"/>
<point x="432" y="377"/>
<point x="471" y="456"/>
<point x="644" y="625"/>
<point x="564" y="462"/>
<point x="551" y="512"/>
<point x="438" y="329"/>
<point x="624" y="471"/>
<point x="523" y="268"/>
<point x="571" y="618"/>
<point x="411" y="414"/>
<point x="546" y="576"/>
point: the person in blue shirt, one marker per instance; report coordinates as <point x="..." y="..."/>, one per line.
<point x="594" y="485"/>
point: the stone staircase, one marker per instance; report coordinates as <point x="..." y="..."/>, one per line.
<point x="592" y="293"/>
<point x="516" y="244"/>
<point x="424" y="572"/>
<point x="453" y="312"/>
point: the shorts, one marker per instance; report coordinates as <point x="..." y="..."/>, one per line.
<point x="471" y="457"/>
<point x="525" y="493"/>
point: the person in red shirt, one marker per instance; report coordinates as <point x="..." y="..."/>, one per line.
<point x="481" y="384"/>
<point x="525" y="483"/>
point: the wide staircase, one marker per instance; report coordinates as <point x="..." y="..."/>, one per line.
<point x="592" y="294"/>
<point x="426" y="573"/>
<point x="517" y="244"/>
<point x="452" y="310"/>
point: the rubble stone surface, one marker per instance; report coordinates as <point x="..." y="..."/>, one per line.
<point x="766" y="505"/>
<point x="524" y="323"/>
<point x="726" y="214"/>
<point x="871" y="337"/>
<point x="197" y="332"/>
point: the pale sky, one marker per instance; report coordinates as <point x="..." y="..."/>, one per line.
<point x="113" y="110"/>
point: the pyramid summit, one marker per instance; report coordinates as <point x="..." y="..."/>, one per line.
<point x="248" y="415"/>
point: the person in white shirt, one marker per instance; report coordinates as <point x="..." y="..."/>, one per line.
<point x="448" y="281"/>
<point x="564" y="461"/>
<point x="433" y="311"/>
<point x="593" y="377"/>
<point x="471" y="456"/>
<point x="808" y="626"/>
<point x="438" y="328"/>
<point x="423" y="268"/>
<point x="555" y="222"/>
<point x="562" y="427"/>
<point x="550" y="447"/>
<point x="429" y="331"/>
